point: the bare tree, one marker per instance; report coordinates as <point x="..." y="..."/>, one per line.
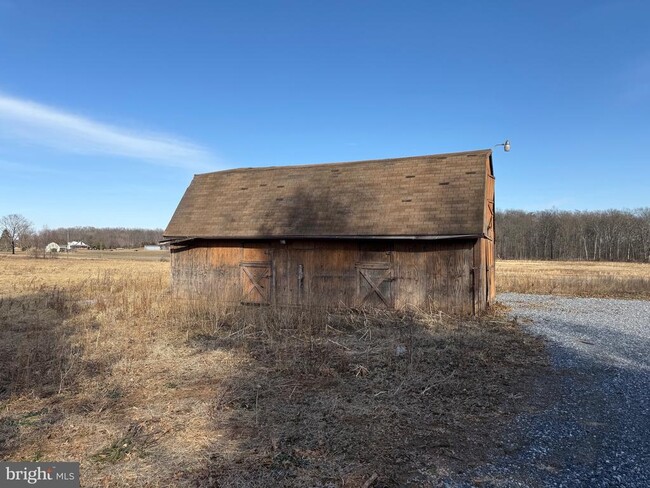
<point x="102" y="238"/>
<point x="16" y="226"/>
<point x="612" y="235"/>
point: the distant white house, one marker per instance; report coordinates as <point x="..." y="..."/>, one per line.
<point x="52" y="247"/>
<point x="74" y="245"/>
<point x="156" y="247"/>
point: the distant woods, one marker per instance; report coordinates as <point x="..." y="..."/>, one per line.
<point x="101" y="238"/>
<point x="609" y="235"/>
<point x="16" y="231"/>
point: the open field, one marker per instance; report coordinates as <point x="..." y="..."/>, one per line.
<point x="579" y="278"/>
<point x="119" y="254"/>
<point x="99" y="364"/>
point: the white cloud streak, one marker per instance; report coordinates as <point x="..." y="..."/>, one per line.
<point x="48" y="126"/>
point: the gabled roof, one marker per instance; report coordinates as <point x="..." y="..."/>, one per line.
<point x="440" y="195"/>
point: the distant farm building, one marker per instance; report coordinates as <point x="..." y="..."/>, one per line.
<point x="52" y="247"/>
<point x="155" y="247"/>
<point x="70" y="246"/>
<point x="77" y="245"/>
<point x="416" y="231"/>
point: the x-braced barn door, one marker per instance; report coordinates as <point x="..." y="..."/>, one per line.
<point x="374" y="285"/>
<point x="257" y="282"/>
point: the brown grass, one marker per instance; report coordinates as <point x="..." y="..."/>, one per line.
<point x="581" y="278"/>
<point x="106" y="254"/>
<point x="100" y="365"/>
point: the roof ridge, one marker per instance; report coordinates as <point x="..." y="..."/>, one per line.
<point x="477" y="152"/>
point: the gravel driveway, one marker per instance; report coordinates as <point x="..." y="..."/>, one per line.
<point x="591" y="424"/>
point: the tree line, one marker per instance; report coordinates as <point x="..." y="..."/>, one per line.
<point x="101" y="238"/>
<point x="18" y="232"/>
<point x="607" y="235"/>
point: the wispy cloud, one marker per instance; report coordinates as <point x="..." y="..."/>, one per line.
<point x="43" y="125"/>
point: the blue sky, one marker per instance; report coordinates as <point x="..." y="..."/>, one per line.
<point x="107" y="109"/>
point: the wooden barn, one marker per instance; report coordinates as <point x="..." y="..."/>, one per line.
<point x="386" y="233"/>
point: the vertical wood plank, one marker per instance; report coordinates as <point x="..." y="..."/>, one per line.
<point x="410" y="269"/>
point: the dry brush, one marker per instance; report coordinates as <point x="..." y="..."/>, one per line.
<point x="102" y="365"/>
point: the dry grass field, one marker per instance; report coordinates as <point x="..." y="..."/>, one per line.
<point x="117" y="254"/>
<point x="582" y="278"/>
<point x="100" y="364"/>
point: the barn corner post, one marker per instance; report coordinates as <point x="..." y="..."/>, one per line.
<point x="484" y="253"/>
<point x="392" y="233"/>
<point x="491" y="258"/>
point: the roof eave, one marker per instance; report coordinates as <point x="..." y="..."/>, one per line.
<point x="180" y="239"/>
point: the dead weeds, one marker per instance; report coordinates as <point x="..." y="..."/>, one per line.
<point x="102" y="366"/>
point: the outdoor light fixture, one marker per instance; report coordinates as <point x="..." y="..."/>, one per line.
<point x="506" y="145"/>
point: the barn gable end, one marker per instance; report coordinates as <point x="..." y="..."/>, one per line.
<point x="385" y="233"/>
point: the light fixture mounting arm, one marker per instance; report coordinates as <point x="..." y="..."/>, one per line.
<point x="506" y="145"/>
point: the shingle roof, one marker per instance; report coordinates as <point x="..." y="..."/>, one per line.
<point x="437" y="195"/>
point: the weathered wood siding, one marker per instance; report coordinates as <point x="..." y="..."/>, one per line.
<point x="439" y="275"/>
<point x="490" y="236"/>
<point x="490" y="255"/>
<point x="484" y="250"/>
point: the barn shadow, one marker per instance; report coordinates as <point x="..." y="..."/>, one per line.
<point x="331" y="409"/>
<point x="303" y="214"/>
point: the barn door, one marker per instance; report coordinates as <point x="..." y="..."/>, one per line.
<point x="374" y="285"/>
<point x="257" y="282"/>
